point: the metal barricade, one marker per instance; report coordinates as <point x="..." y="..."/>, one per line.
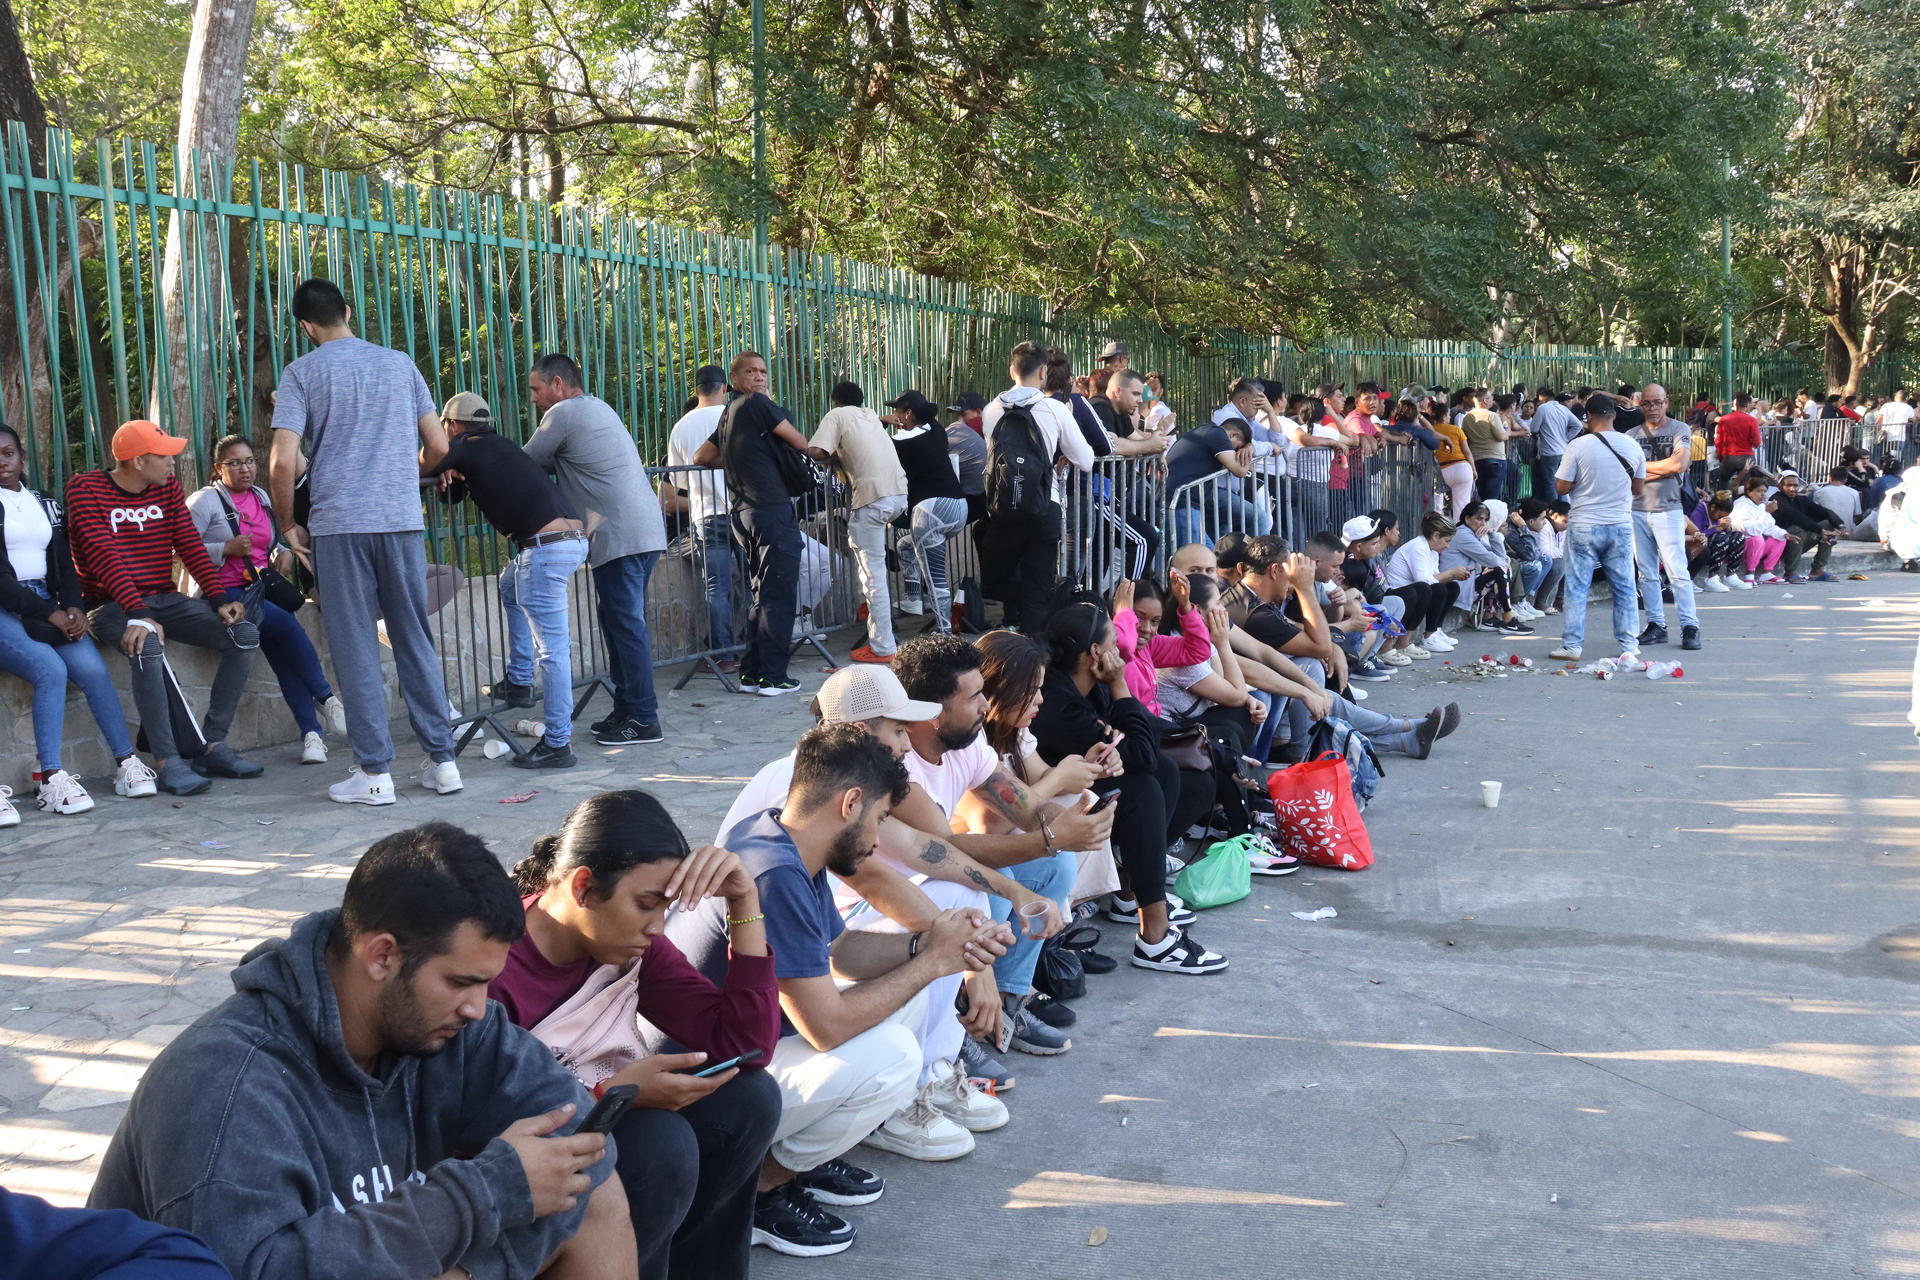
<point x="697" y="599"/>
<point x="1411" y="485"/>
<point x="1204" y="509"/>
<point x="1111" y="522"/>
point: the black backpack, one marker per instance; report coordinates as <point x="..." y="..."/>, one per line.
<point x="1020" y="471"/>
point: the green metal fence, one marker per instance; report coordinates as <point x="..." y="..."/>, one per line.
<point x="472" y="286"/>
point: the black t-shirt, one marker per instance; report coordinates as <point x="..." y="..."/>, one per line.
<point x="1195" y="454"/>
<point x="511" y="489"/>
<point x="1362" y="577"/>
<point x="929" y="474"/>
<point x="746" y="442"/>
<point x="1110" y="417"/>
<point x="1269" y="624"/>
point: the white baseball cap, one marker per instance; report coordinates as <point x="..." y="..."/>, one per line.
<point x="1359" y="529"/>
<point x="865" y="690"/>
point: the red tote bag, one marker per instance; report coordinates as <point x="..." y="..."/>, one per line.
<point x="1319" y="822"/>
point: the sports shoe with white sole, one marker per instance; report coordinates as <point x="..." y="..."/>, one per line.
<point x="134" y="780"/>
<point x="9" y="816"/>
<point x="919" y="1132"/>
<point x="362" y="788"/>
<point x="336" y="713"/>
<point x="1569" y="652"/>
<point x="1021" y="1030"/>
<point x="954" y="1096"/>
<point x="1125" y="910"/>
<point x="1176" y="953"/>
<point x="443" y="777"/>
<point x="788" y="1220"/>
<point x="1713" y="583"/>
<point x="62" y="793"/>
<point x="313" y="749"/>
<point x="986" y="1071"/>
<point x="838" y="1182"/>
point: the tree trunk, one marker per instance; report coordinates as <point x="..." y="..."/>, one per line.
<point x="210" y="92"/>
<point x="20" y="100"/>
<point x="1845" y="349"/>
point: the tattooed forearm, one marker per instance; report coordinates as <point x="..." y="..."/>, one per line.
<point x="935" y="852"/>
<point x="980" y="881"/>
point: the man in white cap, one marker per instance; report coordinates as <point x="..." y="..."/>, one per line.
<point x="1364" y="573"/>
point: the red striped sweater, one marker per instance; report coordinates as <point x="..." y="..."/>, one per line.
<point x="124" y="543"/>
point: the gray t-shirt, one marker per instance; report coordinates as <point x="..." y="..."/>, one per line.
<point x="1553" y="425"/>
<point x="1602" y="491"/>
<point x="1662" y="493"/>
<point x="358" y="407"/>
<point x="599" y="473"/>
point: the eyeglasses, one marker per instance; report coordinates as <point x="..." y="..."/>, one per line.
<point x="238" y="463"/>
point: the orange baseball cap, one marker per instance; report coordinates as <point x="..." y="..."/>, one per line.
<point x="141" y="437"/>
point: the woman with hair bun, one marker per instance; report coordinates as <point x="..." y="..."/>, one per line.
<point x="593" y="964"/>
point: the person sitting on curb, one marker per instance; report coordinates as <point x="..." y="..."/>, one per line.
<point x="513" y="493"/>
<point x="358" y="1107"/>
<point x="125" y="525"/>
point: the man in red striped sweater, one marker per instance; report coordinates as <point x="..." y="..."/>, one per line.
<point x="126" y="524"/>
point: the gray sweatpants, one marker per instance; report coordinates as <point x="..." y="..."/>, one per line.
<point x="186" y="620"/>
<point x="365" y="577"/>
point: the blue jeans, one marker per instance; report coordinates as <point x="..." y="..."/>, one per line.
<point x="533" y="589"/>
<point x="1490" y="478"/>
<point x="1262" y="745"/>
<point x="1050" y="877"/>
<point x="932" y="523"/>
<point x="284" y="643"/>
<point x="715" y="536"/>
<point x="1532" y="574"/>
<point x="1660" y="537"/>
<point x="1610" y="546"/>
<point x="622" y="588"/>
<point x="48" y="667"/>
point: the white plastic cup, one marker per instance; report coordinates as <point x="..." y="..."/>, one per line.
<point x="1033" y="919"/>
<point x="1490" y="794"/>
<point x="495" y="749"/>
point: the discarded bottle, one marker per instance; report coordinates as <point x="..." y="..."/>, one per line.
<point x="529" y="728"/>
<point x="1664" y="670"/>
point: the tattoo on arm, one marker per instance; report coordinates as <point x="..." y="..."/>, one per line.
<point x="980" y="881"/>
<point x="935" y="852"/>
<point x="1010" y="797"/>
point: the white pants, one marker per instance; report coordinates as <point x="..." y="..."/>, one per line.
<point x="867" y="531"/>
<point x="940" y="1032"/>
<point x="832" y="1098"/>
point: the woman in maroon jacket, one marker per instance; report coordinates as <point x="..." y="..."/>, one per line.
<point x="593" y="966"/>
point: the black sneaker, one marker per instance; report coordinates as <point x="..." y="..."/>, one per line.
<point x="605" y="723"/>
<point x="1051" y="1011"/>
<point x="1370" y="670"/>
<point x="514" y="695"/>
<point x="837" y="1182"/>
<point x="1689" y="637"/>
<point x="1094" y="962"/>
<point x="1176" y="953"/>
<point x="624" y="733"/>
<point x="747" y="684"/>
<point x="1514" y="628"/>
<point x="787" y="1220"/>
<point x="1654" y="634"/>
<point x="543" y="755"/>
<point x="768" y="687"/>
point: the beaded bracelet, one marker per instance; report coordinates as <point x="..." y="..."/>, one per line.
<point x="748" y="920"/>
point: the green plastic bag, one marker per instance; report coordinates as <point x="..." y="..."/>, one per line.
<point x="1221" y="875"/>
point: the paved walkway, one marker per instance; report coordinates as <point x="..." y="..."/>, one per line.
<point x="1655" y="1015"/>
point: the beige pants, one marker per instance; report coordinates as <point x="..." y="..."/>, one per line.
<point x="832" y="1098"/>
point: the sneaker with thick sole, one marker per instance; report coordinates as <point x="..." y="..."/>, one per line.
<point x="954" y="1096"/>
<point x="177" y="778"/>
<point x="747" y="684"/>
<point x="1176" y="953"/>
<point x="839" y="1183"/>
<point x="1513" y="628"/>
<point x="1569" y="652"/>
<point x="1055" y="1013"/>
<point x="363" y="788"/>
<point x="134" y="780"/>
<point x="1127" y="911"/>
<point x="510" y="692"/>
<point x="788" y="1220"/>
<point x="443" y="777"/>
<point x="628" y="732"/>
<point x="220" y="761"/>
<point x="1741" y="584"/>
<point x="61" y="792"/>
<point x="1655" y="633"/>
<point x="1021" y="1030"/>
<point x="313" y="749"/>
<point x="985" y="1070"/>
<point x="1713" y="583"/>
<point x="865" y="653"/>
<point x="1439" y="642"/>
<point x="544" y="755"/>
<point x="912" y="608"/>
<point x="771" y="688"/>
<point x="335" y="712"/>
<point x="919" y="1132"/>
<point x="1689" y="637"/>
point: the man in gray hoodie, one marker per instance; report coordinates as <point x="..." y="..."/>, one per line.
<point x="357" y="1108"/>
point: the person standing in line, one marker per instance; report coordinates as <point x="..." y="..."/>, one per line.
<point x="363" y="411"/>
<point x="935" y="499"/>
<point x="1659" y="523"/>
<point x="125" y="525"/>
<point x="601" y="479"/>
<point x="1600" y="476"/>
<point x="1487" y="440"/>
<point x="1736" y="439"/>
<point x="851" y="438"/>
<point x="1553" y="425"/>
<point x="751" y="427"/>
<point x="1023" y="548"/>
<point x="707" y="506"/>
<point x="1896" y="425"/>
<point x="969" y="449"/>
<point x="550" y="542"/>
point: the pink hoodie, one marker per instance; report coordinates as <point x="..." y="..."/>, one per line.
<point x="1191" y="646"/>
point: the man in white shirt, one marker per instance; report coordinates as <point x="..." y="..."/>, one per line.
<point x="1896" y="423"/>
<point x="708" y="510"/>
<point x="853" y="440"/>
<point x="1600" y="475"/>
<point x="1021" y="554"/>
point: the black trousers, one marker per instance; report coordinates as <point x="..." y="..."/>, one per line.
<point x="770" y="539"/>
<point x="1427" y="605"/>
<point x="1154" y="810"/>
<point x="690" y="1176"/>
<point x="1822" y="549"/>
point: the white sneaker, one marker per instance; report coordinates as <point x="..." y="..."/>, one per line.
<point x="1440" y="635"/>
<point x="955" y="1097"/>
<point x="135" y="780"/>
<point x="919" y="1132"/>
<point x="443" y="777"/>
<point x="363" y="788"/>
<point x="62" y="793"/>
<point x="9" y="816"/>
<point x="1355" y="692"/>
<point x="912" y="608"/>
<point x="336" y="713"/>
<point x="313" y="749"/>
<point x="1713" y="583"/>
<point x="1394" y="658"/>
<point x="1570" y="652"/>
<point x="1417" y="653"/>
<point x="1741" y="584"/>
<point x="1437" y="643"/>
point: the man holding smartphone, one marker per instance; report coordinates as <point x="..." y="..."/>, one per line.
<point x="332" y="1117"/>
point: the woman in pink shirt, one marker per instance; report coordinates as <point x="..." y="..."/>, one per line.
<point x="1137" y="609"/>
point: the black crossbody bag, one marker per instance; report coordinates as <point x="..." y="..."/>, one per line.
<point x="266" y="580"/>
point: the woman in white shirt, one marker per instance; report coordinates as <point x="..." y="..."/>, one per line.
<point x="43" y="640"/>
<point x="1766" y="540"/>
<point x="1414" y="574"/>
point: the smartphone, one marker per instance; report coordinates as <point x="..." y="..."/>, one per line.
<point x="608" y="1109"/>
<point x="751" y="1055"/>
<point x="1103" y="801"/>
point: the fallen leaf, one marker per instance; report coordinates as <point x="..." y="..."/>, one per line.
<point x="1098" y="1237"/>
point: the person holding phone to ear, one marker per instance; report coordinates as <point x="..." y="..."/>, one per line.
<point x="593" y="965"/>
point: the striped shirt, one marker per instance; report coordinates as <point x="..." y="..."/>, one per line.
<point x="124" y="543"/>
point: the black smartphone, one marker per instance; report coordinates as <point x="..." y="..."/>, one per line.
<point x="751" y="1055"/>
<point x="1106" y="798"/>
<point x="608" y="1109"/>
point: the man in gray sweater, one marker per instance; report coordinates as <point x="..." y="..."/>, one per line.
<point x="591" y="454"/>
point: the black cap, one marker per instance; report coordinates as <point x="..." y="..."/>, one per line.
<point x="967" y="402"/>
<point x="709" y="378"/>
<point x="1601" y="404"/>
<point x="923" y="409"/>
<point x="848" y="393"/>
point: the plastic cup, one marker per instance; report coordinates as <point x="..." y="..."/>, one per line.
<point x="1033" y="919"/>
<point x="495" y="749"/>
<point x="1490" y="794"/>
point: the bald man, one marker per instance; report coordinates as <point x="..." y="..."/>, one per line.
<point x="1659" y="523"/>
